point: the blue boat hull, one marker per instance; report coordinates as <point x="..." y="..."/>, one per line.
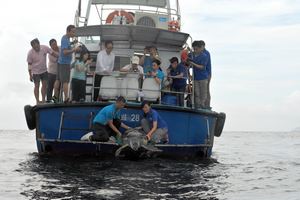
<point x="59" y="128"/>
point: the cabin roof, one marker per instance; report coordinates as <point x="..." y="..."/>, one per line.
<point x="152" y="3"/>
<point x="135" y="34"/>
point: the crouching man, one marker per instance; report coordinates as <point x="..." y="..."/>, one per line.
<point x="153" y="125"/>
<point x="107" y="123"/>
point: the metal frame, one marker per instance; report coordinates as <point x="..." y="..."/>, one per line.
<point x="165" y="10"/>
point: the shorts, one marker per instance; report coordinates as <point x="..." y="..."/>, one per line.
<point x="63" y="73"/>
<point x="40" y="77"/>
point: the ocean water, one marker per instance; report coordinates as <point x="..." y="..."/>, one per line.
<point x="244" y="165"/>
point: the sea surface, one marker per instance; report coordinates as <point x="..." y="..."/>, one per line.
<point x="244" y="165"/>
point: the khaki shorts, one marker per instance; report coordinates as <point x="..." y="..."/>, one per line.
<point x="63" y="73"/>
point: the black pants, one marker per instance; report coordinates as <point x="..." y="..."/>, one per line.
<point x="78" y="90"/>
<point x="97" y="83"/>
<point x="103" y="132"/>
<point x="50" y="85"/>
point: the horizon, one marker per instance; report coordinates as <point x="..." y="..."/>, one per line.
<point x="254" y="50"/>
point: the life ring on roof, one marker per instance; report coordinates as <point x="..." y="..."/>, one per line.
<point x="174" y="25"/>
<point x="111" y="18"/>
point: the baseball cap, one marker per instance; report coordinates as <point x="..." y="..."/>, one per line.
<point x="135" y="60"/>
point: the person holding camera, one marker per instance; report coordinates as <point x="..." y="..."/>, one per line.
<point x="81" y="67"/>
<point x="64" y="62"/>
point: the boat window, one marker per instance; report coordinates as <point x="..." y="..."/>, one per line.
<point x="91" y="40"/>
<point x="121" y="61"/>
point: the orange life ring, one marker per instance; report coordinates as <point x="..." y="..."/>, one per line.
<point x="174" y="25"/>
<point x="128" y="16"/>
<point x="184" y="55"/>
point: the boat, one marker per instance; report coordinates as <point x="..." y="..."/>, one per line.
<point x="131" y="25"/>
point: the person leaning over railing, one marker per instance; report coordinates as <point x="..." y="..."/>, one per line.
<point x="134" y="67"/>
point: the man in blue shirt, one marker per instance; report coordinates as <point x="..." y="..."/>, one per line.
<point x="178" y="73"/>
<point x="107" y="122"/>
<point x="153" y="125"/>
<point x="198" y="61"/>
<point x="208" y="69"/>
<point x="150" y="54"/>
<point x="64" y="61"/>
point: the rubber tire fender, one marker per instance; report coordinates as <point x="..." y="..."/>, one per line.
<point x="220" y="124"/>
<point x="30" y="116"/>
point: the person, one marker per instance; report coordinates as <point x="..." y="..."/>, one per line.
<point x="178" y="73"/>
<point x="153" y="125"/>
<point x="208" y="69"/>
<point x="150" y="54"/>
<point x="156" y="73"/>
<point x="134" y="67"/>
<point x="107" y="123"/>
<point x="64" y="62"/>
<point x="82" y="66"/>
<point x="52" y="71"/>
<point x="104" y="66"/>
<point x="198" y="60"/>
<point x="37" y="67"/>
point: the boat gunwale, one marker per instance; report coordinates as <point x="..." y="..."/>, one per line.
<point x="114" y="144"/>
<point x="129" y="105"/>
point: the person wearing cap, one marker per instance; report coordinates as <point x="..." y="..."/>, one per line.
<point x="37" y="67"/>
<point x="153" y="125"/>
<point x="108" y="122"/>
<point x="178" y="74"/>
<point x="134" y="66"/>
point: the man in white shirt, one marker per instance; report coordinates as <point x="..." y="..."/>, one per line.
<point x="104" y="66"/>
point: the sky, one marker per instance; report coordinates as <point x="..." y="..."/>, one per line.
<point x="254" y="46"/>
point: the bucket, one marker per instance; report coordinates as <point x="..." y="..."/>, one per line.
<point x="169" y="100"/>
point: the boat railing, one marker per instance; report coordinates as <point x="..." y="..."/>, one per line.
<point x="105" y="8"/>
<point x="172" y="13"/>
<point x="132" y="86"/>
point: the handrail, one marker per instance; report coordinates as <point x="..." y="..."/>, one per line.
<point x="139" y="90"/>
<point x="170" y="12"/>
